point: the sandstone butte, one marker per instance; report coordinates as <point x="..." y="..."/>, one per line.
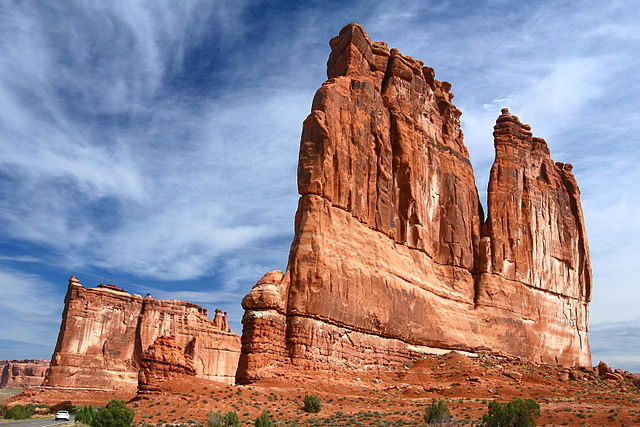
<point x="393" y="256"/>
<point x="108" y="337"/>
<point x="22" y="373"/>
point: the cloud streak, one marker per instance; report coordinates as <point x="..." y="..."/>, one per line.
<point x="156" y="143"/>
<point x="616" y="343"/>
<point x="31" y="309"/>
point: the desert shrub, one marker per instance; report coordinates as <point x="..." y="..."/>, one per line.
<point x="437" y="412"/>
<point x="264" y="420"/>
<point x="216" y="419"/>
<point x="19" y="412"/>
<point x="85" y="415"/>
<point x="517" y="413"/>
<point x="312" y="403"/>
<point x="115" y="414"/>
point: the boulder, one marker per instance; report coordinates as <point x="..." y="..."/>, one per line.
<point x="602" y="368"/>
<point x="612" y="376"/>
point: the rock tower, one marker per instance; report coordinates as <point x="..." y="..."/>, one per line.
<point x="392" y="256"/>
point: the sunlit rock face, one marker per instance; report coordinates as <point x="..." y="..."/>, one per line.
<point x="163" y="361"/>
<point x="22" y="373"/>
<point x="391" y="255"/>
<point x="535" y="256"/>
<point x="105" y="331"/>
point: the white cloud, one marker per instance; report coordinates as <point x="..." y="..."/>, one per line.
<point x="164" y="199"/>
<point x="616" y="343"/>
<point x="160" y="139"/>
<point x="30" y="307"/>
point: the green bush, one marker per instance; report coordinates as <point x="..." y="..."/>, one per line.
<point x="312" y="403"/>
<point x="115" y="414"/>
<point x="85" y="415"/>
<point x="264" y="420"/>
<point x="19" y="412"/>
<point x="437" y="412"/>
<point x="517" y="413"/>
<point x="216" y="419"/>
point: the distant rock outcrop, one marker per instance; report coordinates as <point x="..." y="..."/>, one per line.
<point x="22" y="373"/>
<point x="392" y="256"/>
<point x="105" y="332"/>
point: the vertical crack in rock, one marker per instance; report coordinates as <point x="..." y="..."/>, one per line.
<point x="391" y="253"/>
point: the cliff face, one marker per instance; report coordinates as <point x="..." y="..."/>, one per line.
<point x="391" y="257"/>
<point x="22" y="373"/>
<point x="535" y="256"/>
<point x="105" y="331"/>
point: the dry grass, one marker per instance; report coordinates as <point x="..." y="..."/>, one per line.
<point x="8" y="393"/>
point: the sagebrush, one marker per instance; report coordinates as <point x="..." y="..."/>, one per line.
<point x="517" y="413"/>
<point x="312" y="403"/>
<point x="437" y="412"/>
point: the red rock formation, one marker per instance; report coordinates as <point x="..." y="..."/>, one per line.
<point x="161" y="362"/>
<point x="388" y="259"/>
<point x="105" y="331"/>
<point x="22" y="373"/>
<point x="535" y="264"/>
<point x="214" y="348"/>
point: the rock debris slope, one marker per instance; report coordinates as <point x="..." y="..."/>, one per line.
<point x="392" y="256"/>
<point x="106" y="334"/>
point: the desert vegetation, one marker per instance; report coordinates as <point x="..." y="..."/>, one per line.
<point x="517" y="413"/>
<point x="115" y="414"/>
<point x="312" y="403"/>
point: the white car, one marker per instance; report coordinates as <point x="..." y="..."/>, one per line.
<point x="62" y="415"/>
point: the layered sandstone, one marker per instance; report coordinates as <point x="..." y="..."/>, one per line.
<point x="391" y="256"/>
<point x="22" y="373"/>
<point x="105" y="331"/>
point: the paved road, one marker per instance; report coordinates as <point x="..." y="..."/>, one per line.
<point x="36" y="422"/>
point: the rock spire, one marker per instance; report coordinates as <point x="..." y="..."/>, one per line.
<point x="391" y="255"/>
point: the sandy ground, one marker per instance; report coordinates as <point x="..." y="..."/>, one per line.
<point x="395" y="396"/>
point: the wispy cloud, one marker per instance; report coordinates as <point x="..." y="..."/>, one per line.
<point x="117" y="170"/>
<point x="158" y="140"/>
<point x="617" y="344"/>
<point x="30" y="307"/>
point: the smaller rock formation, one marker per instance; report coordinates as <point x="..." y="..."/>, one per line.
<point x="620" y="375"/>
<point x="106" y="331"/>
<point x="22" y="373"/>
<point x="163" y="360"/>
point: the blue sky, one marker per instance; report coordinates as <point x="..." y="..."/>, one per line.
<point x="154" y="144"/>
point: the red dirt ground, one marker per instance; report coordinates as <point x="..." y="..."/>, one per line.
<point x="394" y="396"/>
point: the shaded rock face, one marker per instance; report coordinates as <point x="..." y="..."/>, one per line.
<point x="105" y="331"/>
<point x="391" y="256"/>
<point x="22" y="373"/>
<point x="163" y="360"/>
